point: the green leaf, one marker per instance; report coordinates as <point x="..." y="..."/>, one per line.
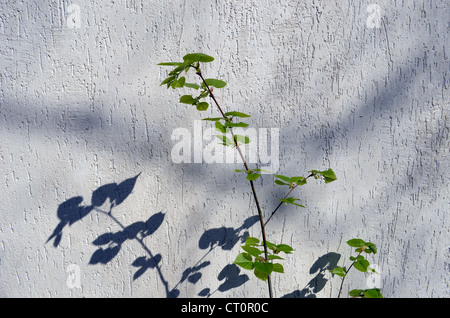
<point x="280" y="182"/>
<point x="202" y="106"/>
<point x="170" y="64"/>
<point x="339" y="271"/>
<point x="197" y="57"/>
<point x="366" y="293"/>
<point x="328" y="175"/>
<point x="260" y="170"/>
<point x="244" y="260"/>
<point x="237" y="114"/>
<point x="261" y="275"/>
<point x="221" y="127"/>
<point x="278" y="268"/>
<point x="242" y="139"/>
<point x="284" y="178"/>
<point x="177" y="70"/>
<point x="225" y="140"/>
<point x="264" y="267"/>
<point x="372" y="293"/>
<point x="356" y="242"/>
<point x="291" y="200"/>
<point x="213" y="119"/>
<point x="251" y="241"/>
<point x="228" y="124"/>
<point x="272" y="257"/>
<point x="371" y="248"/>
<point x="215" y="82"/>
<point x="180" y="82"/>
<point x="356" y="293"/>
<point x="253" y="251"/>
<point x="168" y="80"/>
<point x="362" y="265"/>
<point x="252" y="176"/>
<point x="299" y="180"/>
<point x="285" y="248"/>
<point x="191" y="85"/>
<point x="271" y="246"/>
<point x="188" y="99"/>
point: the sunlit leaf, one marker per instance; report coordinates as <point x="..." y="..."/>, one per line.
<point x="188" y="99"/>
<point x="225" y="140"/>
<point x="237" y="114"/>
<point x="215" y="82"/>
<point x="202" y="106"/>
<point x="191" y="85"/>
<point x="339" y="271"/>
<point x="228" y="124"/>
<point x="220" y="127"/>
<point x="244" y="260"/>
<point x="285" y="248"/>
<point x="213" y="119"/>
<point x="264" y="267"/>
<point x="278" y="268"/>
<point x="251" y="241"/>
<point x="242" y="139"/>
<point x="253" y="251"/>
<point x="261" y="275"/>
<point x="356" y="242"/>
<point x="170" y="64"/>
<point x="197" y="57"/>
<point x="253" y="176"/>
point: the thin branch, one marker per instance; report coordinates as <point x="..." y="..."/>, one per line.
<point x="346" y="272"/>
<point x="258" y="207"/>
<point x="292" y="189"/>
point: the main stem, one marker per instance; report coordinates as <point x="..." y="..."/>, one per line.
<point x="346" y="272"/>
<point x="255" y="196"/>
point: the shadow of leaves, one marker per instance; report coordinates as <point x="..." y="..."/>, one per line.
<point x="114" y="241"/>
<point x="321" y="266"/>
<point x="73" y="210"/>
<point x="226" y="237"/>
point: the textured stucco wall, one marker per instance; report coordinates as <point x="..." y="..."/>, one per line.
<point x="83" y="121"/>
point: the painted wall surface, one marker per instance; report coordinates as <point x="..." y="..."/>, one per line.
<point x="93" y="203"/>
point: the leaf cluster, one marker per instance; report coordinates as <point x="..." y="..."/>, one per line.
<point x="257" y="256"/>
<point x="252" y="174"/>
<point x="175" y="80"/>
<point x="361" y="264"/>
<point x="293" y="182"/>
<point x="253" y="257"/>
<point x="327" y="175"/>
<point x="359" y="261"/>
<point x="227" y="124"/>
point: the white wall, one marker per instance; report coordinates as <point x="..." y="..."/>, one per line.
<point x="83" y="120"/>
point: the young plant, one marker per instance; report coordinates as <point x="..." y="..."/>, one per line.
<point x="362" y="264"/>
<point x="258" y="255"/>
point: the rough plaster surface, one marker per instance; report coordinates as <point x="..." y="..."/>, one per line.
<point x="86" y="130"/>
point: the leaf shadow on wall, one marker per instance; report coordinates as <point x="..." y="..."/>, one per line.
<point x="226" y="238"/>
<point x="73" y="210"/>
<point x="104" y="199"/>
<point x="321" y="266"/>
